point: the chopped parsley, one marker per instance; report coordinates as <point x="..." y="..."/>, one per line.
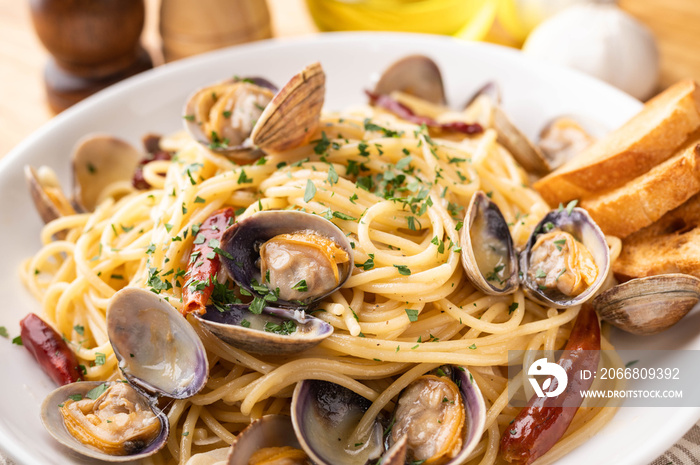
<point x="403" y="270"/>
<point x="284" y="329"/>
<point x="17" y="341"/>
<point x="100" y="358"/>
<point x="217" y="142"/>
<point x="301" y="286"/>
<point x="244" y="179"/>
<point x="404" y="162"/>
<point x="332" y="175"/>
<point x="3" y="332"/>
<point x="513" y="307"/>
<point x="96" y="392"/>
<point x="322" y="144"/>
<point x="367" y="265"/>
<point x="245" y="323"/>
<point x="343" y="216"/>
<point x="310" y="191"/>
<point x="412" y="314"/>
<point x="369" y="126"/>
<point x="493" y="275"/>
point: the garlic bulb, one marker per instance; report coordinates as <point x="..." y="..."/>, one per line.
<point x="603" y="41"/>
<point x="520" y="17"/>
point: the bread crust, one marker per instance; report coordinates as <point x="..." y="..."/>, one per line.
<point x="669" y="245"/>
<point x="665" y="123"/>
<point x="645" y="199"/>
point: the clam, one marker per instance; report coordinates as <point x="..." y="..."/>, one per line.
<point x="100" y="161"/>
<point x="488" y="252"/>
<point x="268" y="438"/>
<point x="97" y="161"/>
<point x="562" y="139"/>
<point x="415" y="75"/>
<point x="289" y="257"/>
<point x="293" y="116"/>
<point x="528" y="155"/>
<point x="239" y="117"/>
<point x="221" y="117"/>
<point x="564" y="263"/>
<point x="437" y="420"/>
<point x="566" y="260"/>
<point x="276" y="331"/>
<point x="46" y="192"/>
<point x="649" y="305"/>
<point x="159" y="354"/>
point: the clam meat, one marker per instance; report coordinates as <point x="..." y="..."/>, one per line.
<point x="240" y="118"/>
<point x="269" y="440"/>
<point x="430" y="413"/>
<point x="565" y="261"/>
<point x="438" y="420"/>
<point x="118" y="422"/>
<point x="559" y="262"/>
<point x="297" y="256"/>
<point x="302" y="264"/>
<point x="159" y="353"/>
<point x="562" y="139"/>
<point x="222" y="116"/>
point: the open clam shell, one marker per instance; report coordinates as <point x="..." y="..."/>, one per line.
<point x="324" y="415"/>
<point x="577" y="223"/>
<point x="243" y="242"/>
<point x="221" y="116"/>
<point x="527" y="154"/>
<point x="488" y="253"/>
<point x="159" y="353"/>
<point x="293" y="115"/>
<point x="48" y="197"/>
<point x="276" y="331"/>
<point x="156" y="347"/>
<point x="53" y="421"/>
<point x="562" y="139"/>
<point x="416" y="75"/>
<point x="268" y="431"/>
<point x="646" y="306"/>
<point x="100" y="161"/>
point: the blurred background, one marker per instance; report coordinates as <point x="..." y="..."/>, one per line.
<point x="54" y="52"/>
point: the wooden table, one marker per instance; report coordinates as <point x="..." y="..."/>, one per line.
<point x="23" y="107"/>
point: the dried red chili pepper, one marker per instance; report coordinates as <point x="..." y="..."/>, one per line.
<point x="544" y="420"/>
<point x="204" y="262"/>
<point x="403" y="112"/>
<point x="49" y="349"/>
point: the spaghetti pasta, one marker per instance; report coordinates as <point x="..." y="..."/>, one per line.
<point x="399" y="194"/>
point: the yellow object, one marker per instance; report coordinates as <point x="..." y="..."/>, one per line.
<point x="520" y="17"/>
<point x="466" y="18"/>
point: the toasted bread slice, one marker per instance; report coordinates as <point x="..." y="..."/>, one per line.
<point x="670" y="245"/>
<point x="649" y="138"/>
<point x="640" y="202"/>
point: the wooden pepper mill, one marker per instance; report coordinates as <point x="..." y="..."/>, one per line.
<point x="93" y="43"/>
<point x="189" y="27"/>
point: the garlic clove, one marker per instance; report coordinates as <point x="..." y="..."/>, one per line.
<point x="619" y="49"/>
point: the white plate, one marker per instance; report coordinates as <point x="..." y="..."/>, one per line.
<point x="533" y="93"/>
